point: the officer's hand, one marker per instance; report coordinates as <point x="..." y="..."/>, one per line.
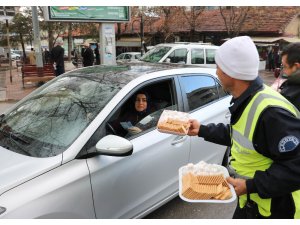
<point x="238" y="184"/>
<point x="194" y="127"/>
<point x="134" y="130"/>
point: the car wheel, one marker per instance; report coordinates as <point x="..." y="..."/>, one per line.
<point x="17" y="58"/>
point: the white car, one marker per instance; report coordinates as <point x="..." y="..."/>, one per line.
<point x="15" y="56"/>
<point x="128" y="57"/>
<point x="61" y="158"/>
<point x="197" y="54"/>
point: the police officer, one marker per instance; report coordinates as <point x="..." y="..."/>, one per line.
<point x="290" y="89"/>
<point x="264" y="136"/>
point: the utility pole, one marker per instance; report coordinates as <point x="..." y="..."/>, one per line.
<point x="9" y="51"/>
<point x="142" y="32"/>
<point x="37" y="40"/>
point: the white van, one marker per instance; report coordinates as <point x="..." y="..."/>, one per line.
<point x="198" y="54"/>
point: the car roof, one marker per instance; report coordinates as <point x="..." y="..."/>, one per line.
<point x="132" y="53"/>
<point x="124" y="73"/>
<point x="188" y="45"/>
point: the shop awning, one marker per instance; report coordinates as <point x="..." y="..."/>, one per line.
<point x="266" y="39"/>
<point x="291" y="39"/>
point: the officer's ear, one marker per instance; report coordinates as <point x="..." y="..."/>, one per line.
<point x="297" y="65"/>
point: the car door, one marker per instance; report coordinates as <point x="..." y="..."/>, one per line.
<point x="125" y="187"/>
<point x="206" y="102"/>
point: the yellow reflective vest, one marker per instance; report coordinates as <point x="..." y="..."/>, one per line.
<point x="245" y="159"/>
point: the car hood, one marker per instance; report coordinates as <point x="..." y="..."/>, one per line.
<point x="16" y="168"/>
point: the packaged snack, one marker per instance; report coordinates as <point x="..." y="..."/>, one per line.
<point x="173" y="122"/>
<point x="205" y="182"/>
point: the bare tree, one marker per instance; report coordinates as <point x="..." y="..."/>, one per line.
<point x="54" y="29"/>
<point x="191" y="14"/>
<point x="22" y="25"/>
<point x="234" y="18"/>
<point x="168" y="13"/>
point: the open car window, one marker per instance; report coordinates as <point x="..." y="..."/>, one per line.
<point x="161" y="97"/>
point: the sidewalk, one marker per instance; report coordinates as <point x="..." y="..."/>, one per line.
<point x="14" y="91"/>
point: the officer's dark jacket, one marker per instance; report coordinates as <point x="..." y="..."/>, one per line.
<point x="290" y="89"/>
<point x="274" y="124"/>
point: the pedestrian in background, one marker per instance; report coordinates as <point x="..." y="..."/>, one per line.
<point x="263" y="134"/>
<point x="291" y="68"/>
<point x="31" y="56"/>
<point x="75" y="59"/>
<point x="87" y="55"/>
<point x="97" y="54"/>
<point x="57" y="57"/>
<point x="271" y="60"/>
<point x="47" y="56"/>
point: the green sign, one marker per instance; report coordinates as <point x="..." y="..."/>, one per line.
<point x="88" y="13"/>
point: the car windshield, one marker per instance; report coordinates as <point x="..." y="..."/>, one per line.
<point x="120" y="56"/>
<point x="51" y="118"/>
<point x="155" y="54"/>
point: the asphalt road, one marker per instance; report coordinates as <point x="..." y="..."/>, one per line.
<point x="178" y="209"/>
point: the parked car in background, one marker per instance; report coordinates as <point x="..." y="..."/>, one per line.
<point x="198" y="54"/>
<point x="60" y="156"/>
<point x="128" y="56"/>
<point x="19" y="52"/>
<point x="15" y="56"/>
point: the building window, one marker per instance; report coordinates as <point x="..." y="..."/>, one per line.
<point x="10" y="13"/>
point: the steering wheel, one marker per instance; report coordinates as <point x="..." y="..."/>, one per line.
<point x="110" y="128"/>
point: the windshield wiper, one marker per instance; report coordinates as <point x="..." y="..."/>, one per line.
<point x="1" y="118"/>
<point x="17" y="138"/>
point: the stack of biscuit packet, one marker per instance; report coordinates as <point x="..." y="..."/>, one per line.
<point x="173" y="122"/>
<point x="204" y="182"/>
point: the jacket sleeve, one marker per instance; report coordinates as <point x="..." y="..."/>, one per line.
<point x="216" y="133"/>
<point x="277" y="136"/>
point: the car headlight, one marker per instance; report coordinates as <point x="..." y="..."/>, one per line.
<point x="2" y="210"/>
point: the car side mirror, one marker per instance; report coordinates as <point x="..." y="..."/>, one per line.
<point x="114" y="146"/>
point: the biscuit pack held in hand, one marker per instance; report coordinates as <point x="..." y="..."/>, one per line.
<point x="173" y="122"/>
<point x="205" y="182"/>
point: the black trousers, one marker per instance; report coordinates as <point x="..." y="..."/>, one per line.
<point x="59" y="70"/>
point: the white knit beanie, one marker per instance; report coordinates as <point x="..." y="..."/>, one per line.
<point x="238" y="58"/>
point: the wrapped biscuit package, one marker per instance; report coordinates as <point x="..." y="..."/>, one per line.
<point x="205" y="182"/>
<point x="173" y="122"/>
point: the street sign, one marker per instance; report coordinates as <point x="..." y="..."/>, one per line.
<point x="87" y="13"/>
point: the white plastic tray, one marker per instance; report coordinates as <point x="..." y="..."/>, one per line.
<point x="207" y="201"/>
